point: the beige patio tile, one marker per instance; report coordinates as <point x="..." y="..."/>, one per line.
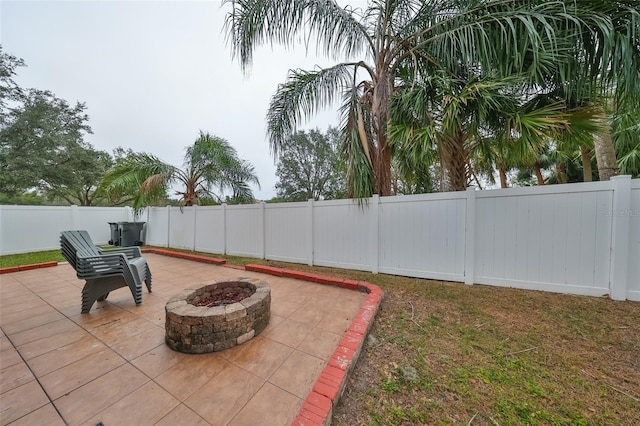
<point x="288" y="332"/>
<point x="144" y="406"/>
<point x="81" y="372"/>
<point x="298" y="373"/>
<point x="35" y="318"/>
<point x="14" y="376"/>
<point x="272" y="405"/>
<point x="261" y="356"/>
<point x="182" y="415"/>
<point x="85" y="402"/>
<point x="46" y="330"/>
<point x="320" y="343"/>
<point x="65" y="355"/>
<point x="186" y="377"/>
<point x="46" y="415"/>
<point x="50" y="343"/>
<point x="224" y="396"/>
<point x="20" y="401"/>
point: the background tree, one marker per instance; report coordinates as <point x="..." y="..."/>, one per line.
<point x="309" y="167"/>
<point x="392" y="40"/>
<point x="211" y="162"/>
<point x="569" y="52"/>
<point x="42" y="144"/>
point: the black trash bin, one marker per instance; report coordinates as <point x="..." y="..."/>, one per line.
<point x="115" y="234"/>
<point x="131" y="233"/>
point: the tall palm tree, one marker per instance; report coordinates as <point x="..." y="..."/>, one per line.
<point x="602" y="72"/>
<point x="211" y="162"/>
<point x="381" y="42"/>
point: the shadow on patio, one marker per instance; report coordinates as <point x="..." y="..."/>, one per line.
<point x="59" y="366"/>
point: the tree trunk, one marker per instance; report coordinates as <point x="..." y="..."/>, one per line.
<point x="605" y="153"/>
<point x="561" y="174"/>
<point x="586" y="164"/>
<point x="382" y="91"/>
<point x="538" y="170"/>
<point x="453" y="158"/>
<point x="382" y="170"/>
<point x="503" y="177"/>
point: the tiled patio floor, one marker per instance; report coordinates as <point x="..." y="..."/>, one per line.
<point x="58" y="366"/>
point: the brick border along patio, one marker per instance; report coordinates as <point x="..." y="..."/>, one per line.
<point x="317" y="408"/>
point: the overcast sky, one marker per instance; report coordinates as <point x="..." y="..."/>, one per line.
<point x="152" y="74"/>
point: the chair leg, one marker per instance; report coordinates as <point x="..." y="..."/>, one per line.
<point x="147" y="279"/>
<point x="99" y="288"/>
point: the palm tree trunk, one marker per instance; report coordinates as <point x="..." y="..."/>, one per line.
<point x="561" y="173"/>
<point x="503" y="177"/>
<point x="586" y="164"/>
<point x="382" y="91"/>
<point x="606" y="154"/>
<point x="538" y="170"/>
<point x="454" y="163"/>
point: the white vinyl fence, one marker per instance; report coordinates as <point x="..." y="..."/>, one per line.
<point x="24" y="229"/>
<point x="576" y="238"/>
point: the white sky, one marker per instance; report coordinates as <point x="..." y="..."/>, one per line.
<point x="152" y="74"/>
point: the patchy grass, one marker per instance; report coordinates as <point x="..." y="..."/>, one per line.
<point x="30" y="258"/>
<point x="447" y="353"/>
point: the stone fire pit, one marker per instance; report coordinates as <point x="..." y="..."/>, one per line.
<point x="217" y="316"/>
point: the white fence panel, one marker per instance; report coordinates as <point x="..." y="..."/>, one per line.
<point x="423" y="236"/>
<point x="25" y="229"/>
<point x="181" y="227"/>
<point x="553" y="238"/>
<point x="157" y="230"/>
<point x="286" y="232"/>
<point x="633" y="289"/>
<point x="210" y="229"/>
<point x="245" y="230"/>
<point x="32" y="228"/>
<point x="342" y="234"/>
<point x="95" y="220"/>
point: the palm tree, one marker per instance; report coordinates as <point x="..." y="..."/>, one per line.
<point x="211" y="162"/>
<point x="383" y="42"/>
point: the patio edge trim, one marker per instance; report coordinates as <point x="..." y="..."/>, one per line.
<point x="317" y="408"/>
<point x="11" y="269"/>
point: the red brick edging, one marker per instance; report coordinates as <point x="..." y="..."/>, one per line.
<point x="12" y="269"/>
<point x="318" y="407"/>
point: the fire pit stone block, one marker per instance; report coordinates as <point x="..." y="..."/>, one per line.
<point x="202" y="329"/>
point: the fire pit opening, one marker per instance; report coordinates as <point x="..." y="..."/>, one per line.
<point x="217" y="316"/>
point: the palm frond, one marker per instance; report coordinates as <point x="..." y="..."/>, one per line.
<point x="252" y="23"/>
<point x="358" y="166"/>
<point x="304" y="93"/>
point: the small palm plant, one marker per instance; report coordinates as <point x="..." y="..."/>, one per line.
<point x="211" y="162"/>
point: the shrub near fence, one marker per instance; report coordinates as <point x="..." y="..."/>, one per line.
<point x="575" y="238"/>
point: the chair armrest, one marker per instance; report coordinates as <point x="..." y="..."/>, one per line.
<point x="90" y="265"/>
<point x="131" y="252"/>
